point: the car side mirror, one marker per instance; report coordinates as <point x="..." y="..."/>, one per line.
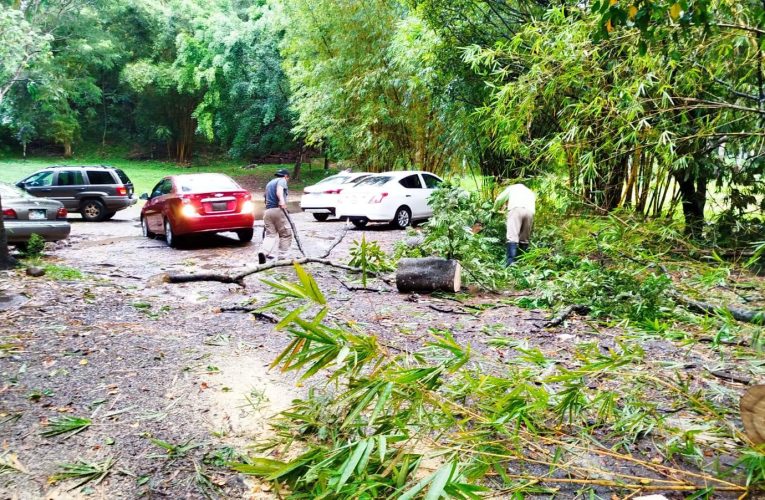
<point x="144" y="196"/>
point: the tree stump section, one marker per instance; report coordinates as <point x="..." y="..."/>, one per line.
<point x="752" y="408"/>
<point x="429" y="274"/>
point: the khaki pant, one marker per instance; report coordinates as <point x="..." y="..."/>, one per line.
<point x="277" y="229"/>
<point x="519" y="223"/>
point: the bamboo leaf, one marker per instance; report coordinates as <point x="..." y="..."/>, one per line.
<point x="310" y="287"/>
<point x="440" y="478"/>
<point x="350" y="464"/>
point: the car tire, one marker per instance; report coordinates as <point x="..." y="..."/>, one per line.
<point x="245" y="235"/>
<point x="402" y="218"/>
<point x="321" y="217"/>
<point x="109" y="215"/>
<point x="170" y="238"/>
<point x="359" y="223"/>
<point x="145" y="228"/>
<point x="93" y="210"/>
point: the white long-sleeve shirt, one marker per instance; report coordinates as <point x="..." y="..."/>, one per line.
<point x="518" y="196"/>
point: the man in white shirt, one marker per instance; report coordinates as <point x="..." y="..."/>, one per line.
<point x="520" y="202"/>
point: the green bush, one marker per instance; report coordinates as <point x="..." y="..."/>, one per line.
<point x="34" y="247"/>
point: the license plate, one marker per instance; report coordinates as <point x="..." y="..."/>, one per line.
<point x="36" y="214"/>
<point x="219" y="206"/>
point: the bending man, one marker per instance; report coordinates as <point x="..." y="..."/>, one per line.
<point x="277" y="227"/>
<point x="520" y="202"/>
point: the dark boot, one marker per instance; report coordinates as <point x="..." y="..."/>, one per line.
<point x="512" y="251"/>
<point x="523" y="248"/>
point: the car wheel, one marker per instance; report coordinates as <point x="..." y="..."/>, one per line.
<point x="359" y="223"/>
<point x="321" y="217"/>
<point x="93" y="210"/>
<point x="109" y="215"/>
<point x="403" y="218"/>
<point x="145" y="228"/>
<point x="245" y="235"/>
<point x="170" y="238"/>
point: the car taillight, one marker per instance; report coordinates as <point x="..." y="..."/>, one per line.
<point x="333" y="191"/>
<point x="121" y="191"/>
<point x="9" y="213"/>
<point x="378" y="198"/>
<point x="188" y="209"/>
<point x="62" y="213"/>
<point x="248" y="207"/>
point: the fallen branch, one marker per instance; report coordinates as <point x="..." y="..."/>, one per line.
<point x="744" y="315"/>
<point x="732" y="377"/>
<point x="252" y="310"/>
<point x="359" y="288"/>
<point x="449" y="311"/>
<point x="565" y="313"/>
<point x="335" y="243"/>
<point x="239" y="277"/>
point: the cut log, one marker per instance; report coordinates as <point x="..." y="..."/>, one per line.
<point x="752" y="408"/>
<point x="429" y="274"/>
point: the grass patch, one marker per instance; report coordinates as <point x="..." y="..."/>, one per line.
<point x="63" y="273"/>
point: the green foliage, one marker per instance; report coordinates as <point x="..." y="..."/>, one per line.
<point x="466" y="227"/>
<point x="66" y="425"/>
<point x="370" y="258"/>
<point x="83" y="471"/>
<point x="34" y="247"/>
<point x="443" y="421"/>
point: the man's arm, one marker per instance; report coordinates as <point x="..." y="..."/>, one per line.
<point x="502" y="199"/>
<point x="280" y="195"/>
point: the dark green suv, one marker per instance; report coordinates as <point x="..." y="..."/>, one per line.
<point x="95" y="192"/>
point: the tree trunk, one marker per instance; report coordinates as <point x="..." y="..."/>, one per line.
<point x="428" y="275"/>
<point x="6" y="261"/>
<point x="298" y="163"/>
<point x="67" y="149"/>
<point x="326" y="161"/>
<point x="693" y="195"/>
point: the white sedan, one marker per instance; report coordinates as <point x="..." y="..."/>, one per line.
<point x="395" y="197"/>
<point x="321" y="198"/>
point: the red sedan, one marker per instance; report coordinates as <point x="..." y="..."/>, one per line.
<point x="180" y="205"/>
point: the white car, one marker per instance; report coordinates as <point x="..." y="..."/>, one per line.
<point x="321" y="198"/>
<point x="395" y="197"/>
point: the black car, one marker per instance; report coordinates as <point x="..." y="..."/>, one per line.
<point x="96" y="192"/>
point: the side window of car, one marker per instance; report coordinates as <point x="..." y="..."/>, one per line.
<point x="70" y="178"/>
<point x="41" y="179"/>
<point x="431" y="181"/>
<point x="167" y="186"/>
<point x="100" y="177"/>
<point x="157" y="191"/>
<point x="411" y="182"/>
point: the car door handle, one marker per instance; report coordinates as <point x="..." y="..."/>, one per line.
<point x="46" y="190"/>
<point x="81" y="189"/>
<point x="408" y="196"/>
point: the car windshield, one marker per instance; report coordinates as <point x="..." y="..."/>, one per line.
<point x="206" y="183"/>
<point x="377" y="180"/>
<point x="7" y="191"/>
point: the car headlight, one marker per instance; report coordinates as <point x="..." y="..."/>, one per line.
<point x="188" y="211"/>
<point x="248" y="207"/>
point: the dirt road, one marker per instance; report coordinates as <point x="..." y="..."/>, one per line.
<point x="173" y="387"/>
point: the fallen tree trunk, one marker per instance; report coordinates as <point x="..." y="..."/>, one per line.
<point x="744" y="315"/>
<point x="429" y="274"/>
<point x="565" y="313"/>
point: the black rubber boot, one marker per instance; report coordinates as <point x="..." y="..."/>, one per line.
<point x="512" y="251"/>
<point x="523" y="248"/>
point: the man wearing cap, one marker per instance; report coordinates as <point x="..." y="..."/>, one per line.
<point x="275" y="218"/>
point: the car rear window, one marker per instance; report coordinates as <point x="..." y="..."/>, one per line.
<point x="377" y="180"/>
<point x="334" y="178"/>
<point x="123" y="177"/>
<point x="7" y="191"/>
<point x="206" y="183"/>
<point x="100" y="177"/>
<point x="356" y="180"/>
